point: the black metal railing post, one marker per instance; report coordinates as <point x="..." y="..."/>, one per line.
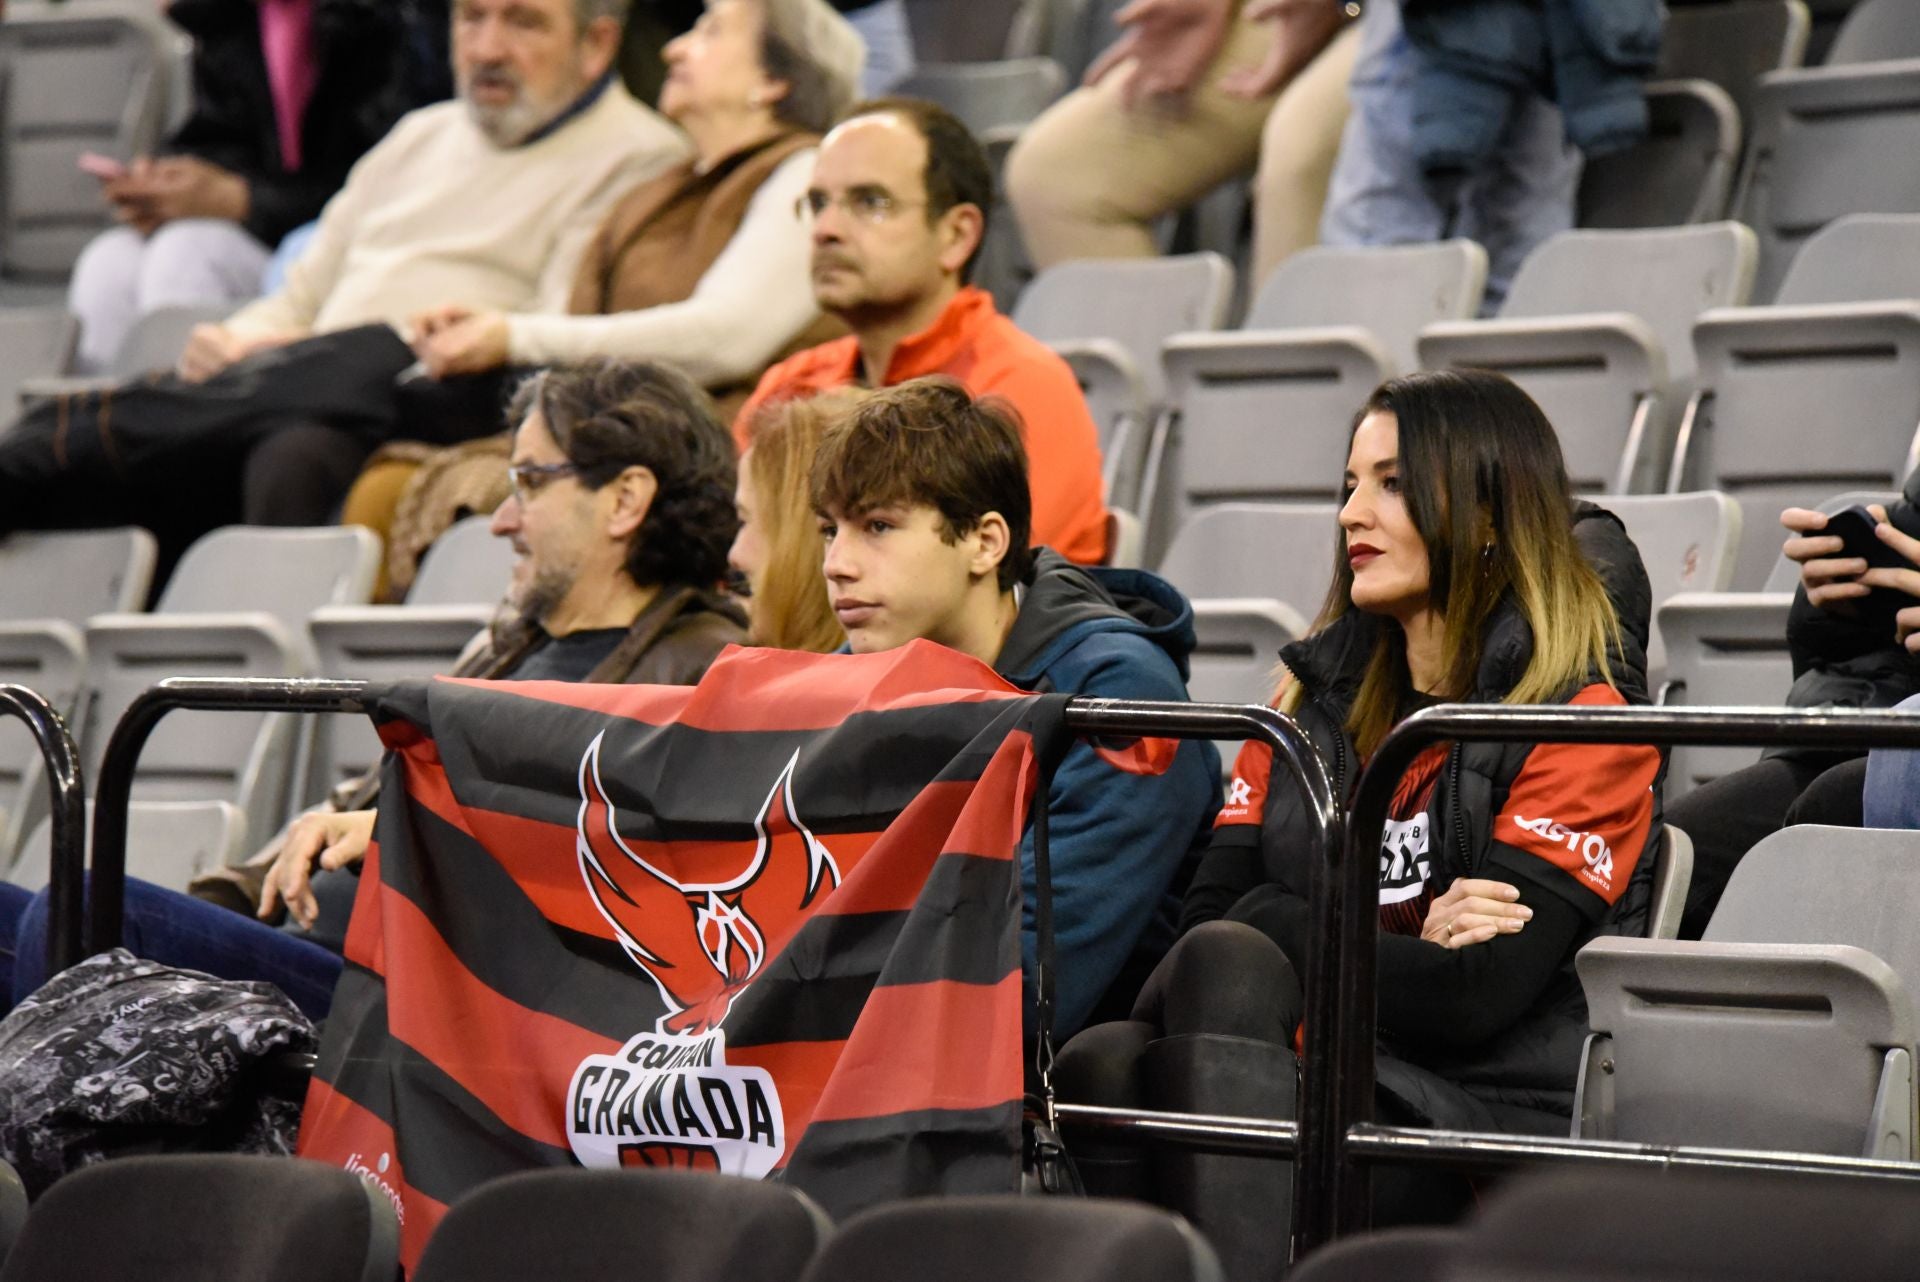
<point x="114" y="788"/>
<point x="1315" y="1149"/>
<point x="67" y="796"/>
<point x="1343" y="1105"/>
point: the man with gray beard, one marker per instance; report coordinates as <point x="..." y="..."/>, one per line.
<point x="486" y="200"/>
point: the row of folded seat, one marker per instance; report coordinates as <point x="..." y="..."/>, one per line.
<point x="244" y="601"/>
<point x="1638" y="344"/>
<point x="169" y="1219"/>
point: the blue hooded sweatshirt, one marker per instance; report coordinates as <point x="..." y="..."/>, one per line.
<point x="1116" y="840"/>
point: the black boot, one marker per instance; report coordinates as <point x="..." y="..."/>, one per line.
<point x="1243" y="1205"/>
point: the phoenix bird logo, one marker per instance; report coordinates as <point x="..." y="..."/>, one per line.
<point x="700" y="942"/>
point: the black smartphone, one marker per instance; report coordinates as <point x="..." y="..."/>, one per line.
<point x="1855" y="527"/>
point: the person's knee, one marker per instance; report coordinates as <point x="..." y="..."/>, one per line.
<point x="1228" y="978"/>
<point x="298" y="475"/>
<point x="1101" y="1065"/>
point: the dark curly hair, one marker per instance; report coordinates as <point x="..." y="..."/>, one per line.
<point x="607" y="416"/>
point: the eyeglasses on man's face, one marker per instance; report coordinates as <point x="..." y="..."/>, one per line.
<point x="867" y="204"/>
<point x="528" y="479"/>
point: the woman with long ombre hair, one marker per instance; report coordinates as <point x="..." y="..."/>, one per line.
<point x="1465" y="572"/>
<point x="778" y="548"/>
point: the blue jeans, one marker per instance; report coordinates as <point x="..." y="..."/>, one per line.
<point x="1379" y="196"/>
<point x="889" y="44"/>
<point x="1891" y="798"/>
<point x="179" y="930"/>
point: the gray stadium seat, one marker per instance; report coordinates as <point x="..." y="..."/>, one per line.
<point x="185" y="1218"/>
<point x="1724" y="649"/>
<point x="1109" y="318"/>
<point x="1263" y="412"/>
<point x="987" y="95"/>
<point x="1687" y="542"/>
<point x="1733" y="43"/>
<point x="458" y="589"/>
<point x="50" y="584"/>
<point x="598" y="1226"/>
<point x="73" y="79"/>
<point x="1816" y="394"/>
<point x="1126" y="540"/>
<point x="1280" y="550"/>
<point x="976" y="31"/>
<point x="1821" y="144"/>
<point x="1644" y="1224"/>
<point x="237" y="605"/>
<point x="1030" y="1239"/>
<point x="1670" y="882"/>
<point x="1596" y="328"/>
<point x="1789" y="1026"/>
<point x="1681" y="173"/>
<point x="1877" y="31"/>
<point x="153" y="345"/>
<point x="169" y="843"/>
<point x="35" y="342"/>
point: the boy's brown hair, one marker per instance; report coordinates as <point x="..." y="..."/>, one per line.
<point x="928" y="443"/>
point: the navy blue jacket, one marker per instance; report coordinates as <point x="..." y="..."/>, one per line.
<point x="1478" y="58"/>
<point x="1116" y="840"/>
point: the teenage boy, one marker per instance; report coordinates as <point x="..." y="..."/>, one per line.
<point x="923" y="500"/>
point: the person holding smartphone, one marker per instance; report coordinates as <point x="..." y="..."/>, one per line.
<point x="287" y="94"/>
<point x="1852" y="634"/>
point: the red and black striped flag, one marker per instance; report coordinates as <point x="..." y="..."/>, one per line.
<point x="768" y="924"/>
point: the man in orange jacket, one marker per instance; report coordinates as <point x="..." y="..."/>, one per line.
<point x="898" y="205"/>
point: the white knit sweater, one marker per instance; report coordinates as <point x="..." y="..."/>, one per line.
<point x="436" y="213"/>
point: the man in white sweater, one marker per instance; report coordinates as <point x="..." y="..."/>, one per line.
<point x="488" y="198"/>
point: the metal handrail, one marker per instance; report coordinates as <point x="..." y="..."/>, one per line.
<point x="68" y="796"/>
<point x="1339" y="1105"/>
<point x="114" y="788"/>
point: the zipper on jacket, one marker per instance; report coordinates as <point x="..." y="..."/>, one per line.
<point x="1455" y="809"/>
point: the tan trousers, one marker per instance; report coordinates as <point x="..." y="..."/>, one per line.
<point x="1088" y="177"/>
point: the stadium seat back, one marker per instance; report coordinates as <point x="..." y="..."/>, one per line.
<point x="73" y="79"/>
<point x="1392" y="292"/>
<point x="1596" y="328"/>
<point x="236" y="606"/>
<point x="1733" y="43"/>
<point x="600" y="1226"/>
<point x="467" y="565"/>
<point x="1723" y="649"/>
<point x="169" y="843"/>
<point x="1682" y="172"/>
<point x="1005" y="93"/>
<point x="1138" y="303"/>
<point x="1861" y="258"/>
<point x="1036" y="1239"/>
<point x="974" y="32"/>
<point x="1817" y="394"/>
<point x="50" y="584"/>
<point x="35" y="342"/>
<point x="159" y="336"/>
<point x="1820" y="139"/>
<point x="181" y="1218"/>
<point x="1790" y="1026"/>
<point x="1677" y="1225"/>
<point x="1236" y="650"/>
<point x="1403" y="1255"/>
<point x="1670" y="882"/>
<point x="1687" y="542"/>
<point x="1281" y="550"/>
<point x="1877" y="31"/>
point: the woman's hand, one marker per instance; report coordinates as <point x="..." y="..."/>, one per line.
<point x="1472" y="911"/>
<point x="334" y="838"/>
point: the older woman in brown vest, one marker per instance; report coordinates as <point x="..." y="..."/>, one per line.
<point x="705" y="266"/>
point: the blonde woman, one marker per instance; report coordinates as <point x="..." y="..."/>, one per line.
<point x="1465" y="572"/>
<point x="778" y="547"/>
